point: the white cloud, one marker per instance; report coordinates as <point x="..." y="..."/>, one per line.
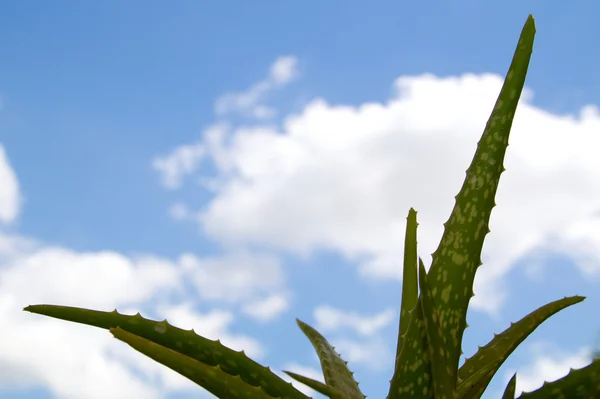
<point x="343" y="178"/>
<point x="69" y="359"/>
<point x="284" y="70"/>
<point x="10" y="198"/>
<point x="248" y="103"/>
<point x="183" y="160"/>
<point x="548" y="366"/>
<point x="373" y="353"/>
<point x="266" y="309"/>
<point x="96" y="280"/>
<point x="330" y="319"/>
<point x="234" y="277"/>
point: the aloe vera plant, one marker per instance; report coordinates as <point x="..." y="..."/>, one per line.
<point x="432" y="315"/>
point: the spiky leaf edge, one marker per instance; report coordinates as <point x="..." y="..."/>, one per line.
<point x="335" y="370"/>
<point x="477" y="371"/>
<point x="583" y="383"/>
<point x="458" y="255"/>
<point x="187" y="343"/>
<point x="211" y="378"/>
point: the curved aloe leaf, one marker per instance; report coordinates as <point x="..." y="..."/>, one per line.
<point x="443" y="374"/>
<point x="318" y="386"/>
<point x="335" y="370"/>
<point x="211" y="378"/>
<point x="458" y="255"/>
<point x="478" y="370"/>
<point x="578" y="384"/>
<point x="509" y="392"/>
<point x="188" y="343"/>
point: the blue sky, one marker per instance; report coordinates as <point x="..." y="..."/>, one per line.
<point x="233" y="165"/>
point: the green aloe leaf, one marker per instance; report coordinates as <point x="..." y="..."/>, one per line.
<point x="400" y="384"/>
<point x="211" y="378"/>
<point x="412" y="378"/>
<point x="318" y="386"/>
<point x="335" y="370"/>
<point x="443" y="375"/>
<point x="578" y="384"/>
<point x="188" y="343"/>
<point x="458" y="255"/>
<point x="478" y="370"/>
<point x="509" y="392"/>
<point x="410" y="291"/>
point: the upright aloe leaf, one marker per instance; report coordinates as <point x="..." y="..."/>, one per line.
<point x="187" y="343"/>
<point x="443" y="374"/>
<point x="335" y="370"/>
<point x="478" y="370"/>
<point x="412" y="349"/>
<point x="458" y="255"/>
<point x="413" y="378"/>
<point x="409" y="276"/>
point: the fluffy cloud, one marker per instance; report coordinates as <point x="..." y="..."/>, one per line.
<point x="268" y="308"/>
<point x="248" y="103"/>
<point x="373" y="353"/>
<point x="330" y="319"/>
<point x="234" y="277"/>
<point x="343" y="178"/>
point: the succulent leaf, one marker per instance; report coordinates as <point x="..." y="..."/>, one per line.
<point x="211" y="378"/>
<point x="509" y="391"/>
<point x="443" y="375"/>
<point x="412" y="358"/>
<point x="188" y="343"/>
<point x="410" y="291"/>
<point x="335" y="370"/>
<point x="583" y="383"/>
<point x="318" y="386"/>
<point x="478" y="370"/>
<point x="412" y="378"/>
<point x="458" y="255"/>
